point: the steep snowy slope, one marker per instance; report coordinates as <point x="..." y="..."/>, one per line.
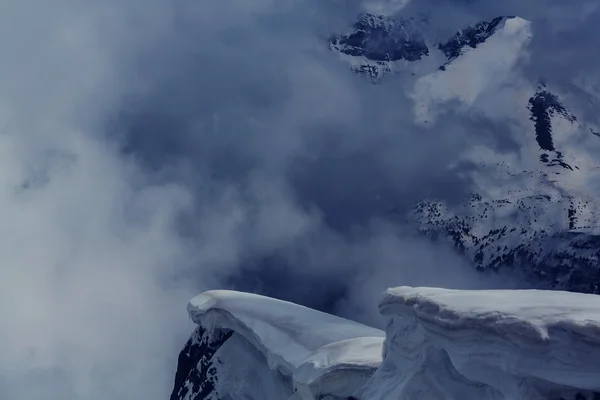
<point x="521" y="344"/>
<point x="250" y="346"/>
<point x="534" y="207"/>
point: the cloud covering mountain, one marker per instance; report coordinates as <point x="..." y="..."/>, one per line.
<point x="152" y="150"/>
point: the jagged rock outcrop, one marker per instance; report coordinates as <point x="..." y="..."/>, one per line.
<point x="471" y="36"/>
<point x="195" y="378"/>
<point x="378" y="41"/>
<point x="534" y="213"/>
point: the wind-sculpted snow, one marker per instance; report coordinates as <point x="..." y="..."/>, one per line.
<point x="440" y="344"/>
<point x="499" y="344"/>
<point x="279" y="348"/>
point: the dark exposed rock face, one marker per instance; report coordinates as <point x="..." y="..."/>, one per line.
<point x="549" y="258"/>
<point x="543" y="105"/>
<point x="195" y="378"/>
<point x="381" y="40"/>
<point x="471" y="36"/>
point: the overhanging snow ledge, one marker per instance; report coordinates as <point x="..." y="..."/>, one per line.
<point x="493" y="344"/>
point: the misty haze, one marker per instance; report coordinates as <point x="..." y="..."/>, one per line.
<point x="313" y="151"/>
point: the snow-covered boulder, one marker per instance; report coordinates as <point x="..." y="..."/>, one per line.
<point x="495" y="344"/>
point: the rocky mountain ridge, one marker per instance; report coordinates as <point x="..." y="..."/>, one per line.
<point x="536" y="212"/>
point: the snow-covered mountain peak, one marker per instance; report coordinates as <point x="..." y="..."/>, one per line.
<point x="380" y="44"/>
<point x="376" y="43"/>
<point x="472" y="36"/>
<point x="533" y="208"/>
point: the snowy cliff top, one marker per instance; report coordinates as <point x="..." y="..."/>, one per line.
<point x="531" y="344"/>
<point x="534" y="314"/>
<point x="439" y="344"/>
<point x="295" y="340"/>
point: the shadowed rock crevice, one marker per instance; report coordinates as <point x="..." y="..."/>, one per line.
<point x="543" y="106"/>
<point x="194" y="379"/>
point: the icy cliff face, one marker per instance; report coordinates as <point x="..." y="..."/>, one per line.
<point x="439" y="344"/>
<point x="499" y="344"/>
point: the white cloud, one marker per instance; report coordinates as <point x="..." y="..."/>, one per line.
<point x="485" y="69"/>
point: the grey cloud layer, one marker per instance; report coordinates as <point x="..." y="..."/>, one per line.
<point x="154" y="149"/>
